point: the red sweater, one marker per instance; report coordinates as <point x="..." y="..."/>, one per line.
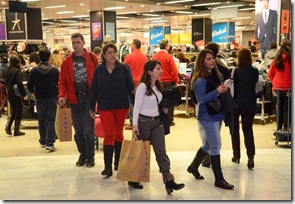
<point x="280" y="78"/>
<point x="136" y="61"/>
<point x="66" y="87"/>
<point x="170" y="72"/>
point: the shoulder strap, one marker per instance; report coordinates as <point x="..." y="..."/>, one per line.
<point x="92" y="58"/>
<point x="156" y="96"/>
<point x="232" y="73"/>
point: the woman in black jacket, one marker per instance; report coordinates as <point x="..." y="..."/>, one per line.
<point x="12" y="76"/>
<point x="245" y="79"/>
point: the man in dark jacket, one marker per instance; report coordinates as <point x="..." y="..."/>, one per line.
<point x="42" y="83"/>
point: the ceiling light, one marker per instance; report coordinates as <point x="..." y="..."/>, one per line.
<point x="150" y="19"/>
<point x="178" y="1"/>
<point x="206" y="14"/>
<point x="185" y="12"/>
<point x="80" y="16"/>
<point x="229" y="6"/>
<point x="147" y="14"/>
<point x="64" y="12"/>
<point x="122" y="17"/>
<point x="132" y="12"/>
<point x="59" y="6"/>
<point x="68" y="21"/>
<point x="245" y="17"/>
<point x="114" y="8"/>
<point x="207" y="4"/>
<point x="246" y="9"/>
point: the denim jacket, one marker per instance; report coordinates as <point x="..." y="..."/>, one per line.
<point x="200" y="87"/>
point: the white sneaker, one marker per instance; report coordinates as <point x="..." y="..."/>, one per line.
<point x="50" y="148"/>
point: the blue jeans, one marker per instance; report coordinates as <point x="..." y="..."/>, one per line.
<point x="212" y="130"/>
<point x="46" y="110"/>
<point x="84" y="127"/>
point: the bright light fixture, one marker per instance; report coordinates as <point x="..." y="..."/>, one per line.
<point x="114" y="8"/>
<point x="58" y="6"/>
<point x="178" y="1"/>
<point x="184" y="12"/>
<point x="150" y="19"/>
<point x="246" y="9"/>
<point x="64" y="12"/>
<point x="148" y="14"/>
<point x="207" y="4"/>
<point x="245" y="17"/>
<point x="229" y="6"/>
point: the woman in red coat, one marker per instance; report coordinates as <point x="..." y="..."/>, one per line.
<point x="280" y="75"/>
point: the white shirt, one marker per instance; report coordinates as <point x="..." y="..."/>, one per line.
<point x="145" y="105"/>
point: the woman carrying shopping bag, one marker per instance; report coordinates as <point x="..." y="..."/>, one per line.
<point x="147" y="124"/>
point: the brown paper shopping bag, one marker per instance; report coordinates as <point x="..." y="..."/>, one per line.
<point x="63" y="123"/>
<point x="134" y="163"/>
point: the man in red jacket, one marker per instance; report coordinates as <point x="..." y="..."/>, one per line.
<point x="170" y="73"/>
<point x="136" y="61"/>
<point x="74" y="84"/>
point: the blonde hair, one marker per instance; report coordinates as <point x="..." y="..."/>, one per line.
<point x="55" y="60"/>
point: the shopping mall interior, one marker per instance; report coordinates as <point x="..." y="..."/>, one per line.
<point x="30" y="173"/>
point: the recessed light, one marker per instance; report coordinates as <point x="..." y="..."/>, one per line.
<point x="58" y="6"/>
<point x="64" y="12"/>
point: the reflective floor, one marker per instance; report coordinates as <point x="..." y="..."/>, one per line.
<point x="28" y="172"/>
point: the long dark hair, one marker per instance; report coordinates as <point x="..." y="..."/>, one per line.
<point x="284" y="49"/>
<point x="146" y="78"/>
<point x="200" y="70"/>
<point x="14" y="61"/>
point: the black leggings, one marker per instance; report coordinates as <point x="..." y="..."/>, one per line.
<point x="282" y="111"/>
<point x="16" y="107"/>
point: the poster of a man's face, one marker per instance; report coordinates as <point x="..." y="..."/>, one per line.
<point x="266" y="22"/>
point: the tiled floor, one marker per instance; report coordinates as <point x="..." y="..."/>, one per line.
<point x="30" y="173"/>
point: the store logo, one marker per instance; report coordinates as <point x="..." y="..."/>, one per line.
<point x="158" y="34"/>
<point x="16" y="22"/>
<point x="219" y="32"/>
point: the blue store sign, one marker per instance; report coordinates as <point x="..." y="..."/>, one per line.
<point x="220" y="30"/>
<point x="156" y="35"/>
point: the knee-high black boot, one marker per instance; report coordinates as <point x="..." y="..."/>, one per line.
<point x="193" y="168"/>
<point x="8" y="125"/>
<point x="108" y="157"/>
<point x="219" y="180"/>
<point x="117" y="147"/>
<point x="16" y="128"/>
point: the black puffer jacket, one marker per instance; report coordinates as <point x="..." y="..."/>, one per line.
<point x="12" y="76"/>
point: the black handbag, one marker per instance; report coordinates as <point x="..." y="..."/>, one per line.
<point x="214" y="106"/>
<point x="163" y="117"/>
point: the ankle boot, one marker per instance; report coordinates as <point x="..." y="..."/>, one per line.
<point x="193" y="168"/>
<point x="206" y="162"/>
<point x="16" y="128"/>
<point x="117" y="147"/>
<point x="219" y="180"/>
<point x="108" y="157"/>
<point x="250" y="163"/>
<point x="8" y="125"/>
<point x="170" y="184"/>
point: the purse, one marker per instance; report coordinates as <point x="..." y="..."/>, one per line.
<point x="163" y="117"/>
<point x="214" y="106"/>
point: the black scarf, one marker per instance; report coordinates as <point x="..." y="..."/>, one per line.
<point x="212" y="81"/>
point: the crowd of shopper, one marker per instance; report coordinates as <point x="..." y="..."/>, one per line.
<point x="98" y="82"/>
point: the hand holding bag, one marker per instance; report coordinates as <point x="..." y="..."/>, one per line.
<point x="63" y="123"/>
<point x="134" y="163"/>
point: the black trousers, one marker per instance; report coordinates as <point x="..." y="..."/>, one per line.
<point x="16" y="107"/>
<point x="282" y="110"/>
<point x="247" y="127"/>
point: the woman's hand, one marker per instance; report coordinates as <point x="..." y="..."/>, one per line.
<point x="25" y="97"/>
<point x="92" y="114"/>
<point x="135" y="132"/>
<point x="165" y="110"/>
<point x="222" y="89"/>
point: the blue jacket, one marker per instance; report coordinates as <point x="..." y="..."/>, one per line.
<point x="200" y="87"/>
